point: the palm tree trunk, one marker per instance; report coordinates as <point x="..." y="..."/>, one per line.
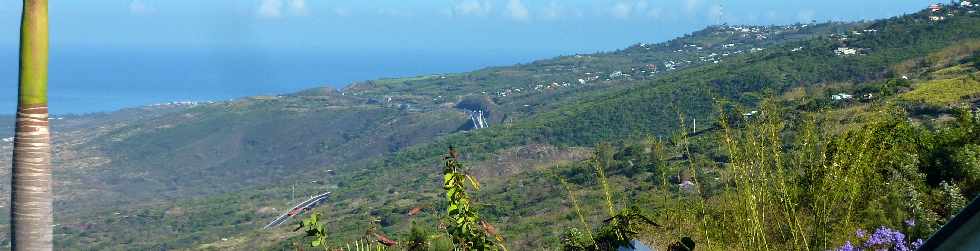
<point x="31" y="208"/>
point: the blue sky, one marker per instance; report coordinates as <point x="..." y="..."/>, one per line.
<point x="111" y="54"/>
<point x="518" y="25"/>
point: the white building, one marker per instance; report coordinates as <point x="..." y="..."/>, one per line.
<point x="843" y="51"/>
<point x="841" y="96"/>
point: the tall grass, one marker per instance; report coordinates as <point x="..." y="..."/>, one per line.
<point x="702" y="214"/>
<point x="602" y="159"/>
<point x="785" y="183"/>
<point x="578" y="209"/>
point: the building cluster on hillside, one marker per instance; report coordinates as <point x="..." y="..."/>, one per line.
<point x="618" y="75"/>
<point x="939" y="12"/>
<point x="683" y="55"/>
<point x="675" y="56"/>
<point x="694" y="46"/>
<point x="758" y="32"/>
<point x="181" y="103"/>
<point x="846" y="51"/>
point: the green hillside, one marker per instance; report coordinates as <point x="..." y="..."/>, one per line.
<point x="208" y="176"/>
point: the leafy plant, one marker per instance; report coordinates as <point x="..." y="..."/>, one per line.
<point x="574" y="240"/>
<point x="417" y="238"/>
<point x="953" y="200"/>
<point x="619" y="229"/>
<point x="467" y="230"/>
<point x="315" y="229"/>
<point x="622" y="228"/>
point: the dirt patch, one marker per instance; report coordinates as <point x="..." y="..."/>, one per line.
<point x="515" y="160"/>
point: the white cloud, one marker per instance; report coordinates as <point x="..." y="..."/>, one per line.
<point x="552" y="11"/>
<point x="628" y="9"/>
<point x="273" y="9"/>
<point x="138" y="7"/>
<point x="622" y="10"/>
<point x="691" y="5"/>
<point x="472" y="8"/>
<point x="517" y="11"/>
<point x="270" y="9"/>
<point x="298" y="7"/>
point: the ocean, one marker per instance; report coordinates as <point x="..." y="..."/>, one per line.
<point x="87" y="80"/>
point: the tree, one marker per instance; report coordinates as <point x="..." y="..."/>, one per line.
<point x="31" y="209"/>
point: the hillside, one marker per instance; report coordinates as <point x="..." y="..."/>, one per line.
<point x="209" y="175"/>
<point x="210" y="148"/>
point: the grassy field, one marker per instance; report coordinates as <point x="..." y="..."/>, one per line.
<point x="944" y="92"/>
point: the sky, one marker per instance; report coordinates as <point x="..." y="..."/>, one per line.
<point x="521" y="25"/>
<point x="110" y="54"/>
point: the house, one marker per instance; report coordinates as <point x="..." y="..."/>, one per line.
<point x="844" y="51"/>
<point x="841" y="96"/>
<point x="936" y="18"/>
<point x="618" y="74"/>
<point x="935" y="7"/>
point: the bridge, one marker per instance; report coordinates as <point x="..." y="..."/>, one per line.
<point x="304" y="206"/>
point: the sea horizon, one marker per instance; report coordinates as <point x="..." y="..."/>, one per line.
<point x="86" y="80"/>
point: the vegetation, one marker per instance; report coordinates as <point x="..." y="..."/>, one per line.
<point x="619" y="230"/>
<point x="315" y="229"/>
<point x="750" y="152"/>
<point x="464" y="225"/>
<point x="817" y="189"/>
<point x="944" y="91"/>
